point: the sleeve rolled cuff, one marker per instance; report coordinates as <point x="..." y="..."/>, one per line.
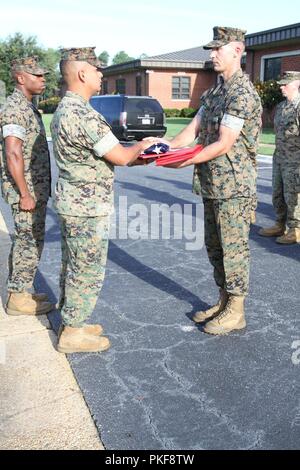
<point x="14" y="130"/>
<point x="107" y="143"/>
<point x="232" y="122"/>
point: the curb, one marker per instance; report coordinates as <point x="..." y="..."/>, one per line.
<point x="41" y="405"/>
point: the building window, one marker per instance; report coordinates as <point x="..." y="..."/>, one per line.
<point x="138" y="85"/>
<point x="272" y="70"/>
<point x="105" y="87"/>
<point x="181" y="88"/>
<point x="121" y="86"/>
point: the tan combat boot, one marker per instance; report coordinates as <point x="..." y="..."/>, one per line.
<point x="232" y="317"/>
<point x="95" y="330"/>
<point x="41" y="297"/>
<point x="213" y="311"/>
<point x="292" y="236"/>
<point x="276" y="230"/>
<point x="75" y="340"/>
<point x="22" y="303"/>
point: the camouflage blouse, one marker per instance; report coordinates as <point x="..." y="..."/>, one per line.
<point x="81" y="137"/>
<point x="19" y="118"/>
<point x="287" y="129"/>
<point x="233" y="174"/>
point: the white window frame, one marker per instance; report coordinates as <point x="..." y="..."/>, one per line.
<point x="179" y="75"/>
<point x="273" y="56"/>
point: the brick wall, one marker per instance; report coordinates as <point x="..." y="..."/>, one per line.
<point x="158" y="83"/>
<point x="130" y="78"/>
<point x="291" y="63"/>
<point x="253" y="62"/>
<point x="160" y="87"/>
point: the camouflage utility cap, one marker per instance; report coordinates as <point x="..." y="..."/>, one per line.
<point x="224" y="35"/>
<point x="289" y="77"/>
<point x="29" y="65"/>
<point x="85" y="54"/>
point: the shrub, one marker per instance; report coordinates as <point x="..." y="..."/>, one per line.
<point x="188" y="112"/>
<point x="269" y="93"/>
<point x="172" y="112"/>
<point x="49" y="106"/>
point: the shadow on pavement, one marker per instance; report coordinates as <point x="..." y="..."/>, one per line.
<point x="269" y="243"/>
<point x="154" y="194"/>
<point x="53" y="233"/>
<point x="41" y="285"/>
<point x="176" y="183"/>
<point x="151" y="276"/>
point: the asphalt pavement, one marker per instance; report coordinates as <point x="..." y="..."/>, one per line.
<point x="165" y="384"/>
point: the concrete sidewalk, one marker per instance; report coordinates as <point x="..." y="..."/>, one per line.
<point x="41" y="405"/>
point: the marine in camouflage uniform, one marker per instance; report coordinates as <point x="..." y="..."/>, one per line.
<point x="286" y="164"/>
<point x="20" y="119"/>
<point x="228" y="183"/>
<point x="83" y="200"/>
<point x="84" y="197"/>
<point x="227" y="179"/>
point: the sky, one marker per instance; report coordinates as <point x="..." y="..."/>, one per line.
<point x="137" y="27"/>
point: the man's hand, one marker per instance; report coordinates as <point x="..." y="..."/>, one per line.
<point x="122" y="156"/>
<point x="185" y="137"/>
<point x="179" y="164"/>
<point x="159" y="140"/>
<point x="27" y="203"/>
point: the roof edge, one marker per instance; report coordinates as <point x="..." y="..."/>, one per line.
<point x="274" y="30"/>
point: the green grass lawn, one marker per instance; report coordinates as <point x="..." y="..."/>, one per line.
<point x="266" y="150"/>
<point x="175" y="125"/>
<point x="267" y="142"/>
<point x="47" y="120"/>
<point x="267" y="137"/>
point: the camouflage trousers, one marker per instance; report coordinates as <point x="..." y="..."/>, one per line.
<point x="27" y="246"/>
<point x="227" y="224"/>
<point x="84" y="255"/>
<point x="286" y="192"/>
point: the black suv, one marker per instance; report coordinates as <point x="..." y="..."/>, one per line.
<point x="131" y="117"/>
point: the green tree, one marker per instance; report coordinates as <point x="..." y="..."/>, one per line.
<point x="50" y="59"/>
<point x="2" y="93"/>
<point x="17" y="46"/>
<point x="121" y="57"/>
<point x="104" y="57"/>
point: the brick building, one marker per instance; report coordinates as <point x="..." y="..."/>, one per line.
<point x="272" y="52"/>
<point x="178" y="79"/>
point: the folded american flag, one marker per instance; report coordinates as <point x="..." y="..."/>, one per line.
<point x="157" y="149"/>
<point x="180" y="155"/>
<point x="173" y="156"/>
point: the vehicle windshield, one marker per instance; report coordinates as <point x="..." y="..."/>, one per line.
<point x="110" y="108"/>
<point x="138" y="105"/>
